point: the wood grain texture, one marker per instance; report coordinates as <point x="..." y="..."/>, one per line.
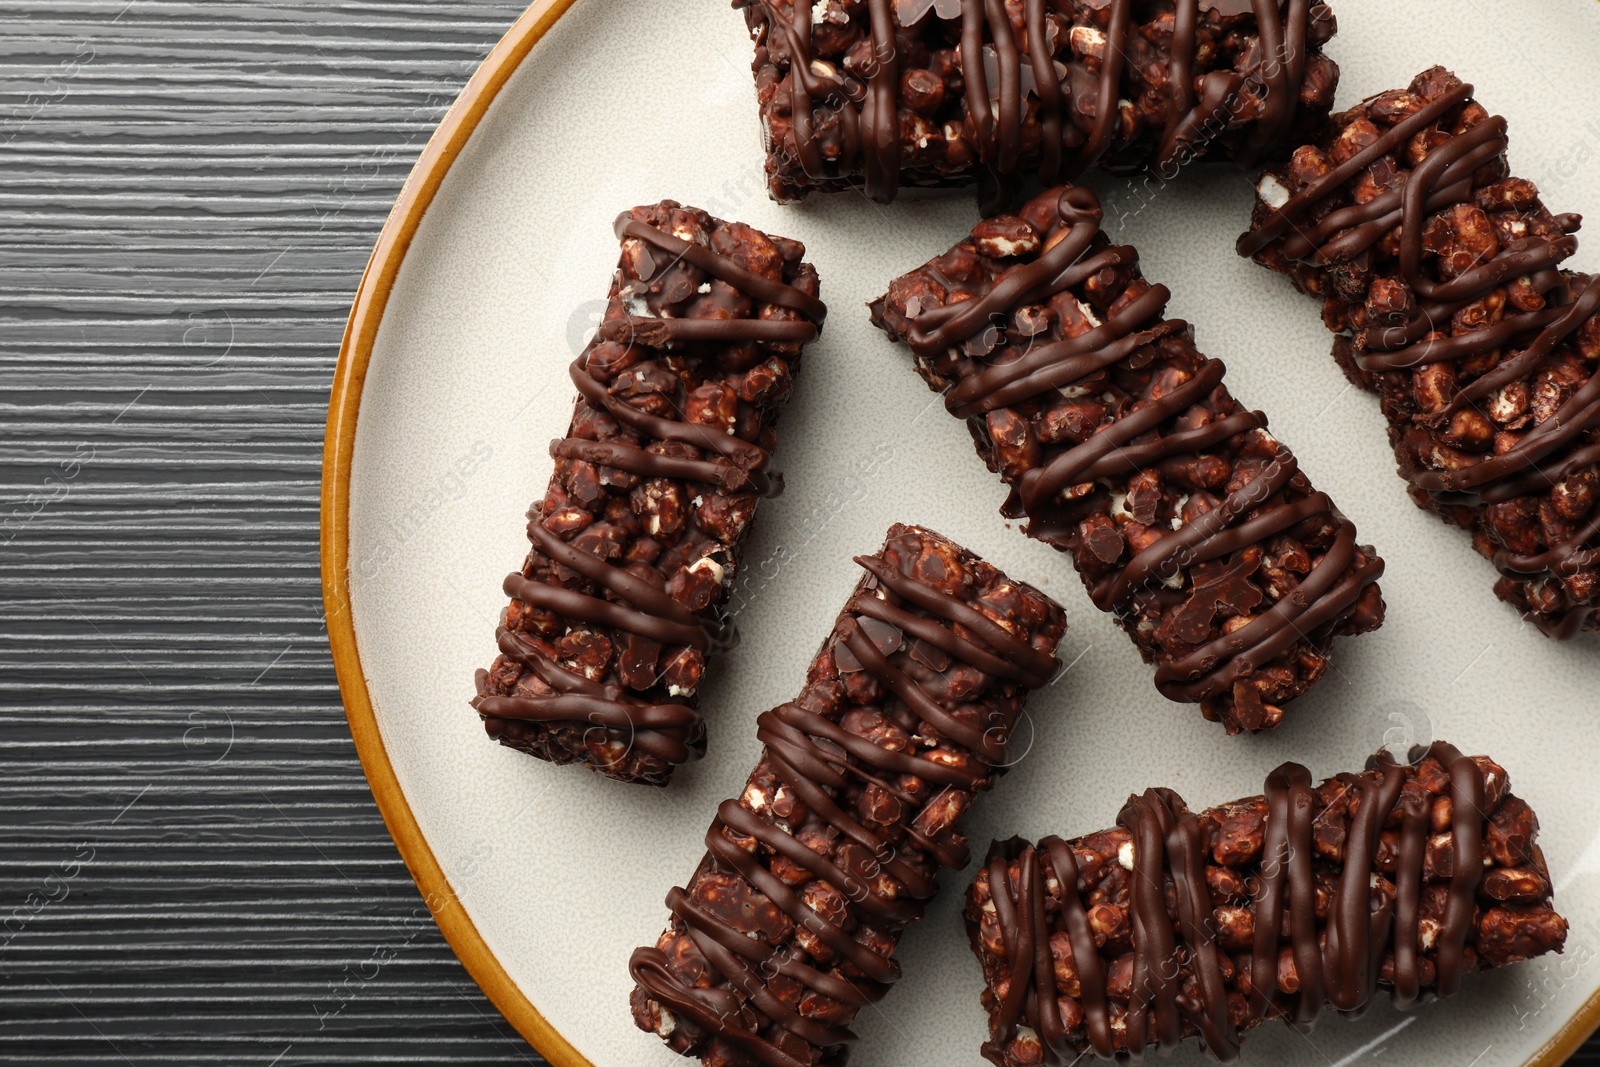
<point x="193" y="870"/>
<point x="191" y="867"/>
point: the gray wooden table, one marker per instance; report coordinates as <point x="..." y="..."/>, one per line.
<point x="191" y="866"/>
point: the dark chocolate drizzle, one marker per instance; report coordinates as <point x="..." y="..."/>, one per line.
<point x="1545" y="455"/>
<point x="1169" y="847"/>
<point x="1327" y="593"/>
<point x="870" y="117"/>
<point x="670" y="731"/>
<point x="816" y="758"/>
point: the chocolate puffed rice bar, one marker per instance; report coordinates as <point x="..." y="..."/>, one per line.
<point x="1184" y="517"/>
<point x="789" y="925"/>
<point x="1440" y="273"/>
<point x="878" y="94"/>
<point x="636" y="541"/>
<point x="1174" y="925"/>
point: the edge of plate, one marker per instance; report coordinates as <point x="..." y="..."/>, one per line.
<point x="344" y="404"/>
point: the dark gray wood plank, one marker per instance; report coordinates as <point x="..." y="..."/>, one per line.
<point x="193" y="870"/>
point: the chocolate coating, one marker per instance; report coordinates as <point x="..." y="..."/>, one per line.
<point x="789" y="925"/>
<point x="939" y="92"/>
<point x="1039" y="311"/>
<point x="635" y="544"/>
<point x="1178" y="925"/>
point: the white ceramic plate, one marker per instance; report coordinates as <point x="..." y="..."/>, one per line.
<point x="453" y="380"/>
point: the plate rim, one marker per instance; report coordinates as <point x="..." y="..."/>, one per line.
<point x="344" y="403"/>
